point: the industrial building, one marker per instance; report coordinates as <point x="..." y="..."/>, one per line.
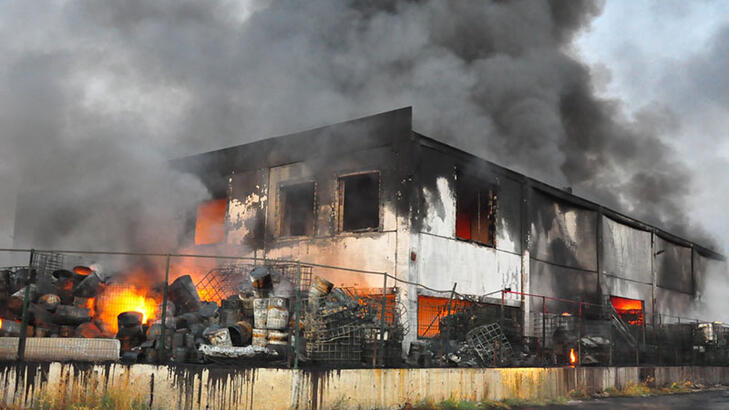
<point x="374" y="194"/>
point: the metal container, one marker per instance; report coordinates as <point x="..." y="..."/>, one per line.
<point x="208" y="309"/>
<point x="88" y="330"/>
<point x="183" y="294"/>
<point x="49" y="301"/>
<point x="189" y="340"/>
<point x="261" y="278"/>
<point x="319" y="288"/>
<point x="229" y="317"/>
<point x="90" y="286"/>
<point x="65" y="331"/>
<point x="129" y="319"/>
<point x="43" y="332"/>
<point x="246" y="306"/>
<point x="218" y="336"/>
<point x="81" y="302"/>
<point x="260" y="337"/>
<point x="278" y="318"/>
<point x="71" y="315"/>
<point x="240" y="333"/>
<point x="260" y="313"/>
<point x="178" y="339"/>
<point x="278" y="302"/>
<point x="276" y="337"/>
<point x="186" y="320"/>
<point x="179" y="355"/>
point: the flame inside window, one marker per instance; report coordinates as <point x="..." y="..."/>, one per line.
<point x="630" y="310"/>
<point x="431" y="310"/>
<point x="210" y="224"/>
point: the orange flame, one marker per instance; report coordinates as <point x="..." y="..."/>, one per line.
<point x="630" y="310"/>
<point x="120" y="298"/>
<point x="1" y="324"/>
<point x="573" y="356"/>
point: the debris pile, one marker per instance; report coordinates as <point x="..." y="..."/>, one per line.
<point x="233" y="314"/>
<point x="60" y="302"/>
<point x="343" y="328"/>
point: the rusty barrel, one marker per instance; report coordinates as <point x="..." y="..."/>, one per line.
<point x="183" y="294"/>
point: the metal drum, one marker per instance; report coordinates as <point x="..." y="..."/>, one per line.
<point x="278" y="338"/>
<point x="260" y="337"/>
<point x="260" y="313"/>
<point x="278" y="314"/>
<point x="319" y="288"/>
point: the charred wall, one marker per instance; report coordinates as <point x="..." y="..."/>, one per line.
<point x="443" y="258"/>
<point x="627" y="268"/>
<point x="563" y="239"/>
<point x="373" y="146"/>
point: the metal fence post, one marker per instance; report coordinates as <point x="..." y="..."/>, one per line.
<point x="161" y="349"/>
<point x="24" y="317"/>
<point x="544" y="329"/>
<point x="503" y="328"/>
<point x="579" y="336"/>
<point x="297" y="324"/>
<point x="444" y="343"/>
<point x="382" y="320"/>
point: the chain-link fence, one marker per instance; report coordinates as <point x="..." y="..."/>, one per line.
<point x="185" y="308"/>
<point x="240" y="311"/>
<point x="541" y="330"/>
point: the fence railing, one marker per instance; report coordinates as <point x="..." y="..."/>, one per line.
<point x="184" y="307"/>
<point x="141" y="307"/>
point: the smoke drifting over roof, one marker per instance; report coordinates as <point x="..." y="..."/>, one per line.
<point x="96" y="96"/>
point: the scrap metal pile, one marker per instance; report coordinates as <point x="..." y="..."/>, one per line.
<point x="61" y="302"/>
<point x="474" y="335"/>
<point x="249" y="317"/>
<point x="344" y="328"/>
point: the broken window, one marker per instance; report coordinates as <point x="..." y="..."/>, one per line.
<point x="297" y="209"/>
<point x="630" y="310"/>
<point x="359" y="202"/>
<point x="431" y="310"/>
<point x="210" y="222"/>
<point x="475" y="212"/>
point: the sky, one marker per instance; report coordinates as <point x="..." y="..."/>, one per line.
<point x="95" y="97"/>
<point x="672" y="55"/>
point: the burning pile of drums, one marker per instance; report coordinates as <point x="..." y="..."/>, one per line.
<point x="252" y="323"/>
<point x="255" y="318"/>
<point x="59" y="304"/>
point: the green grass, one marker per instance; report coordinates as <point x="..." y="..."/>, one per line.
<point x="630" y="390"/>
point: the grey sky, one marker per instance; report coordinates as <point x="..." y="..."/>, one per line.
<point x="673" y="55"/>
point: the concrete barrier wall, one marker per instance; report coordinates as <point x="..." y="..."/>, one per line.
<point x="216" y="388"/>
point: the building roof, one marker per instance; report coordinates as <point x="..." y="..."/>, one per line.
<point x="369" y="132"/>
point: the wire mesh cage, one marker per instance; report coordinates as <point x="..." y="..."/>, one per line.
<point x="47" y="262"/>
<point x="225" y="280"/>
<point x="490" y="344"/>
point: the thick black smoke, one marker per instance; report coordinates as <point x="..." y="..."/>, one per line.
<point x="97" y="95"/>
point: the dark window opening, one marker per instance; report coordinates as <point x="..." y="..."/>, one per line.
<point x="297" y="205"/>
<point x="359" y="199"/>
<point x="210" y="222"/>
<point x="475" y="212"/>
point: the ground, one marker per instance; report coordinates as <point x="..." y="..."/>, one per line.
<point x="715" y="399"/>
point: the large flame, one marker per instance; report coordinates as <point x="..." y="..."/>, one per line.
<point x="120" y="298"/>
<point x="573" y="356"/>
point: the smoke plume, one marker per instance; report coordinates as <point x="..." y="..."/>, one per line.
<point x="97" y="96"/>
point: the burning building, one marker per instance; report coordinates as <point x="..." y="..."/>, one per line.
<point x="374" y="194"/>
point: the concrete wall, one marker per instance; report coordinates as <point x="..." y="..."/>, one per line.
<point x="212" y="388"/>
